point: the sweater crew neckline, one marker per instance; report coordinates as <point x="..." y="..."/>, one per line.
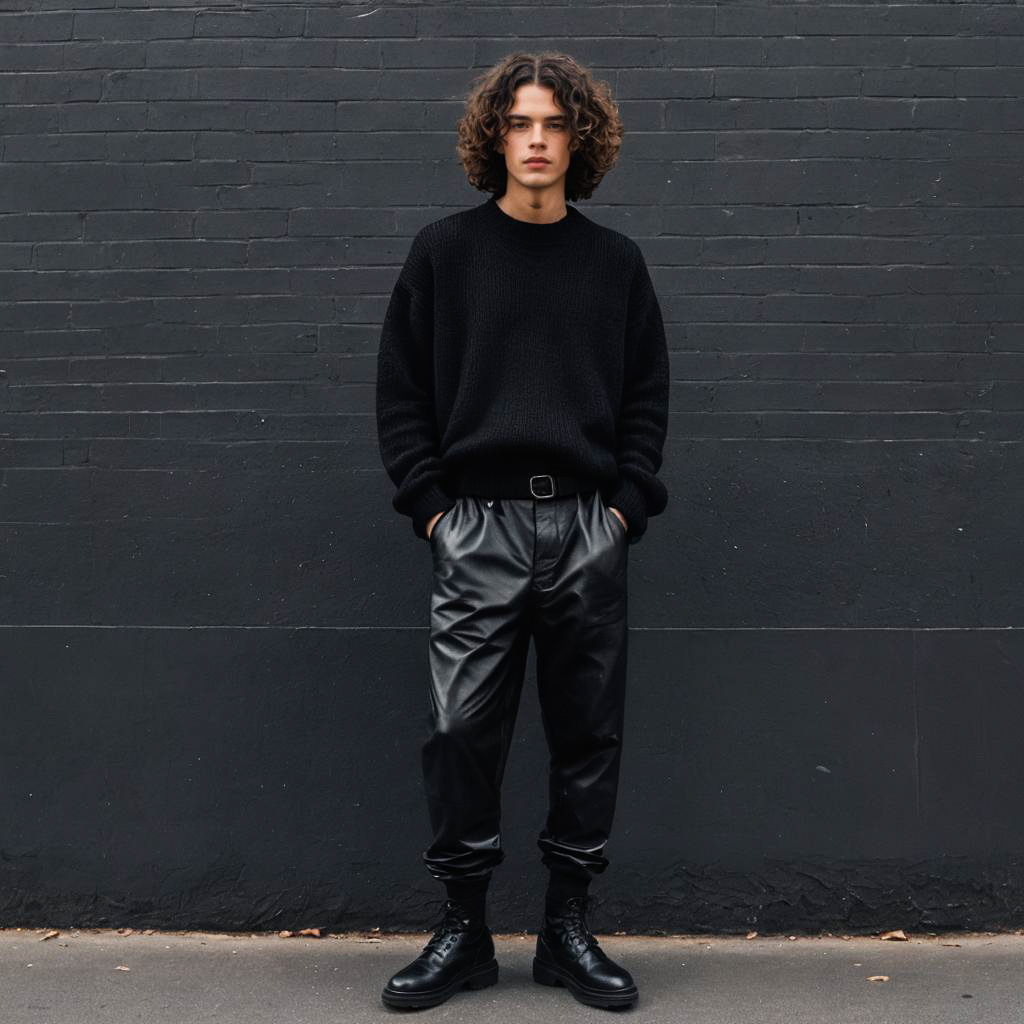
<point x="524" y="232"/>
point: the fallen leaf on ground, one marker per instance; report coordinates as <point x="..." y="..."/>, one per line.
<point x="310" y="931"/>
<point x="751" y="935"/>
<point x="878" y="977"/>
<point x="121" y="967"/>
<point x="49" y="935"/>
<point x="897" y="933"/>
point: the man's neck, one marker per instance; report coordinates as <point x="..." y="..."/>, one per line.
<point x="533" y="205"/>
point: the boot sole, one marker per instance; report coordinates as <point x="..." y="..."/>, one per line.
<point x="547" y="974"/>
<point x="478" y="977"/>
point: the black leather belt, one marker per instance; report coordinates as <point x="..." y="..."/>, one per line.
<point x="539" y="485"/>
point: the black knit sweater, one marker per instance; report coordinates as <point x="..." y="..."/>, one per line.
<point x="511" y="347"/>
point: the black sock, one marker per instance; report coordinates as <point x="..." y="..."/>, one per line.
<point x="471" y="894"/>
<point x="566" y="882"/>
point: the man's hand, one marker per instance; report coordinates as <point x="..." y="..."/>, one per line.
<point x="621" y="517"/>
<point x="432" y="521"/>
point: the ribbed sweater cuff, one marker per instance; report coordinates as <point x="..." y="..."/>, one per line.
<point x="629" y="499"/>
<point x="429" y="503"/>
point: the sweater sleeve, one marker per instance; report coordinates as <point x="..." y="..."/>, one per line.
<point x="643" y="417"/>
<point x="406" y="424"/>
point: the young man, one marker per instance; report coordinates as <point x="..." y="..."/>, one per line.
<point x="522" y="407"/>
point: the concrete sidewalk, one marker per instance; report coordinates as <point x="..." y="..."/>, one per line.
<point x="192" y="977"/>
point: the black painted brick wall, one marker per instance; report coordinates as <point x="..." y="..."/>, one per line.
<point x="212" y="623"/>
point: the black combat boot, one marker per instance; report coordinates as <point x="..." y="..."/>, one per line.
<point x="568" y="954"/>
<point x="459" y="954"/>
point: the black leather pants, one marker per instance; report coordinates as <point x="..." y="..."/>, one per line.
<point x="506" y="569"/>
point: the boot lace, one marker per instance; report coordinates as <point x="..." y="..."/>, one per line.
<point x="452" y="921"/>
<point x="571" y="918"/>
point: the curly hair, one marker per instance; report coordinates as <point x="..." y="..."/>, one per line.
<point x="594" y="122"/>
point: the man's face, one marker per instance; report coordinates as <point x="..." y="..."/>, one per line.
<point x="538" y="131"/>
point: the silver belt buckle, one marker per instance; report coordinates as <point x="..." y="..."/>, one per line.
<point x="551" y="485"/>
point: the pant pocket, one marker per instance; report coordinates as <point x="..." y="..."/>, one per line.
<point x="442" y="524"/>
<point x="609" y="514"/>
